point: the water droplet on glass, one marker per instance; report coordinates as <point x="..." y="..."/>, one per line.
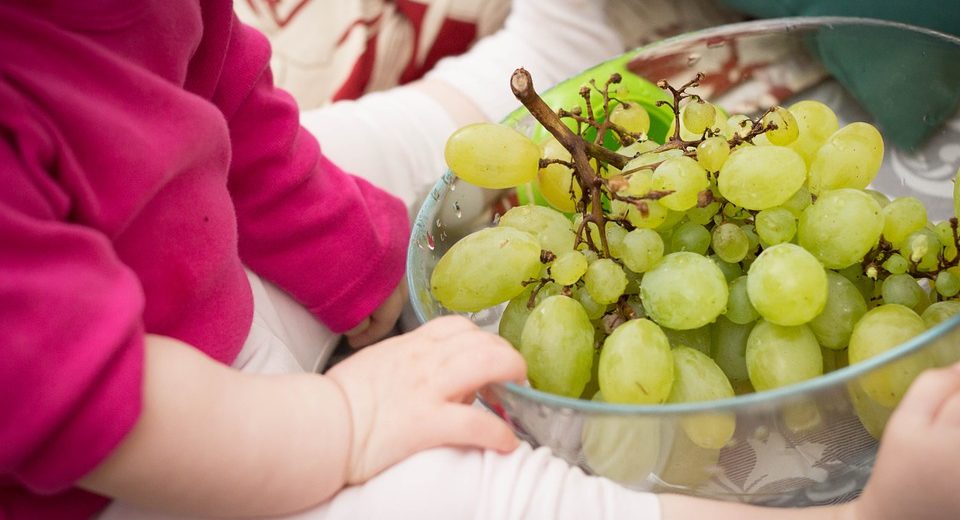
<point x="430" y="244"/>
<point x="439" y="223"/>
<point x="496" y="219"/>
<point x="456" y="206"/>
<point x="693" y="58"/>
<point x="453" y="187"/>
<point x="443" y="236"/>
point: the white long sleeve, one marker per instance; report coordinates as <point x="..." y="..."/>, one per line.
<point x="395" y="138"/>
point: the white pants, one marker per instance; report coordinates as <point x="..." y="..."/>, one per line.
<point x="442" y="483"/>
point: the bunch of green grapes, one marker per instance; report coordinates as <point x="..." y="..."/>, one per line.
<point x="741" y="254"/>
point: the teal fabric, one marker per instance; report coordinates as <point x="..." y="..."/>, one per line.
<point x="943" y="15"/>
<point x="910" y="85"/>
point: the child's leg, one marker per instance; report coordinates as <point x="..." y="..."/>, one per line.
<point x="453" y="483"/>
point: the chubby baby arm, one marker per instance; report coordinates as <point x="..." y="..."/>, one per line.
<point x="211" y="441"/>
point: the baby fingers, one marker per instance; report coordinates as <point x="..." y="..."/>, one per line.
<point x="480" y="358"/>
<point x="928" y="396"/>
<point x="469" y="426"/>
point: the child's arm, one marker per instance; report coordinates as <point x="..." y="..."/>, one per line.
<point x="212" y="441"/>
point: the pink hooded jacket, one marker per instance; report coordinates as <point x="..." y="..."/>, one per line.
<point x="145" y="157"/>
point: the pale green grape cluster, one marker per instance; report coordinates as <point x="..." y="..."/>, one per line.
<point x="746" y="256"/>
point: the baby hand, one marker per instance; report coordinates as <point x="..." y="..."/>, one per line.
<point x="414" y="392"/>
<point x="381" y="321"/>
<point x="918" y="465"/>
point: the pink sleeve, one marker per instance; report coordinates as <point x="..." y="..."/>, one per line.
<point x="333" y="241"/>
<point x="71" y="339"/>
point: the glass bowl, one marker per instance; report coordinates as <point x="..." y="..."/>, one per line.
<point x="811" y="443"/>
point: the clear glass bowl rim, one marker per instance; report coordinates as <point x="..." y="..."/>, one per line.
<point x="769" y="398"/>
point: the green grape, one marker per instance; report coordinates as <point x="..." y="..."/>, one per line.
<point x="833" y="359"/>
<point x="816" y="123"/>
<point x="593" y="309"/>
<point x="568" y="267"/>
<point x="684" y="291"/>
<point x="712" y="153"/>
<point x="636" y="148"/>
<point x="840" y="227"/>
<point x="878" y="331"/>
<point x="719" y="122"/>
<point x="513" y="319"/>
<point x="922" y="247"/>
<point x="557" y="344"/>
<point x="798" y="201"/>
<point x="730" y="243"/>
<point x="639" y="183"/>
<point x="655" y="216"/>
<point x="761" y="177"/>
<point x="787" y="285"/>
<point x="642" y="249"/>
<point x="901" y="217"/>
<point x="845" y="306"/>
<point x="850" y="158"/>
<point x="786" y="130"/>
<point x="729" y="348"/>
<point x="738" y="124"/>
<point x="485" y="268"/>
<point x="752" y="236"/>
<point x="704" y="215"/>
<point x="861" y="281"/>
<point x="673" y="218"/>
<point x="549" y="226"/>
<point x="631" y="117"/>
<point x="636" y="364"/>
<point x="697" y="339"/>
<point x="944" y="232"/>
<point x="698" y="115"/>
<point x="778" y="356"/>
<point x="775" y="226"/>
<point x="615" y="235"/>
<point x="939" y="312"/>
<point x="592" y="390"/>
<point x="690" y="237"/>
<point x="556" y="182"/>
<point x="697" y="378"/>
<point x="688" y="466"/>
<point x="492" y="156"/>
<point x="733" y="211"/>
<point x="739" y="309"/>
<point x="731" y="271"/>
<point x="896" y="264"/>
<point x="625" y="449"/>
<point x="605" y="280"/>
<point x="881" y="199"/>
<point x="872" y="415"/>
<point x="685" y="178"/>
<point x="947" y="283"/>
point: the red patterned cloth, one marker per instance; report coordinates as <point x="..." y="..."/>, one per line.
<point x="328" y="51"/>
